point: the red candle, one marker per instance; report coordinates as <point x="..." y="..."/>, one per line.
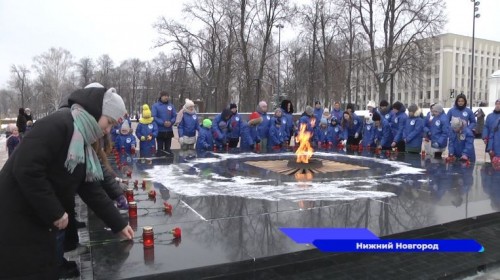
<point x="132" y="209"/>
<point x="143" y="184"/>
<point x="152" y="194"/>
<point x="129" y="173"/>
<point x="129" y="193"/>
<point x="148" y="237"/>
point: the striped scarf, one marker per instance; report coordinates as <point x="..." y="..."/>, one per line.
<point x="86" y="132"/>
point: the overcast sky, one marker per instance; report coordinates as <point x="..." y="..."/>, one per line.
<point x="123" y="28"/>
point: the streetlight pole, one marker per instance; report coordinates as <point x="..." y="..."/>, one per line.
<point x="475" y="15"/>
<point x="279" y="26"/>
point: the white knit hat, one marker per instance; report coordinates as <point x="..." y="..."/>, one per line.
<point x="188" y="104"/>
<point x="113" y="105"/>
<point x="371" y="103"/>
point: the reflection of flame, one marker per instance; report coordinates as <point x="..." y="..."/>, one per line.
<point x="305" y="151"/>
<point x="308" y="176"/>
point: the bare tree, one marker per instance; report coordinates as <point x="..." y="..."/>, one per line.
<point x="104" y="69"/>
<point x="404" y="25"/>
<point x="20" y="81"/>
<point x="86" y="70"/>
<point x="55" y="76"/>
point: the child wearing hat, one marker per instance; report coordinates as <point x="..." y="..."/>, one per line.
<point x="249" y="134"/>
<point x="413" y="130"/>
<point x="323" y="135"/>
<point x="439" y="131"/>
<point x="338" y="135"/>
<point x="491" y="135"/>
<point x="13" y="139"/>
<point x="219" y="132"/>
<point x="461" y="141"/>
<point x="188" y="126"/>
<point x="369" y="133"/>
<point x="235" y="122"/>
<point x="146" y="132"/>
<point x="205" y="141"/>
<point x="125" y="141"/>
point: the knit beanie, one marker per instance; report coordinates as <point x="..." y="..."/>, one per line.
<point x="326" y="111"/>
<point x="438" y="107"/>
<point x="324" y="121"/>
<point x="232" y="105"/>
<point x="188" y="104"/>
<point x="350" y="106"/>
<point x="413" y="108"/>
<point x="254" y="116"/>
<point x="371" y="103"/>
<point x="456" y="123"/>
<point x="262" y="104"/>
<point x="113" y="105"/>
<point x="207" y="123"/>
<point x="125" y="126"/>
<point x="146" y="113"/>
<point x="384" y="103"/>
<point x="309" y="110"/>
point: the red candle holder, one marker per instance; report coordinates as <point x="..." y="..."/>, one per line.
<point x="152" y="194"/>
<point x="129" y="194"/>
<point x="133" y="223"/>
<point x="132" y="209"/>
<point x="148" y="237"/>
<point x="143" y="184"/>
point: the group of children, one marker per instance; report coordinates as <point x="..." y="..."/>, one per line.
<point x="388" y="127"/>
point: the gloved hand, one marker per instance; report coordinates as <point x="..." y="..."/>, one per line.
<point x="344" y="142"/>
<point x="149" y="137"/>
<point x="464" y="157"/>
<point x="393" y="144"/>
<point x="356" y="135"/>
<point x="181" y="140"/>
<point x="435" y="145"/>
<point x="143" y="138"/>
<point x="319" y="144"/>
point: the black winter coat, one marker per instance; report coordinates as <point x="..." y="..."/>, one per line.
<point x="36" y="189"/>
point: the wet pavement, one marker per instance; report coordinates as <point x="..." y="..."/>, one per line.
<point x="231" y="212"/>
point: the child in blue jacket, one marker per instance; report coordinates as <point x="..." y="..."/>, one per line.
<point x="146" y="132"/>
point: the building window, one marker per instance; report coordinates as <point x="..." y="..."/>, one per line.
<point x="463" y="70"/>
<point x="436" y="69"/>
<point x="421" y="95"/>
<point x="487" y="61"/>
<point x="456" y="57"/>
<point x="463" y="58"/>
<point x="462" y="82"/>
<point x="436" y="82"/>
<point x="480" y="83"/>
<point x="436" y="94"/>
<point x="428" y="82"/>
<point x="482" y="61"/>
<point x="399" y="95"/>
<point x="428" y="95"/>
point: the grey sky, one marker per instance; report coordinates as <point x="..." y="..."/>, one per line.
<point x="123" y="28"/>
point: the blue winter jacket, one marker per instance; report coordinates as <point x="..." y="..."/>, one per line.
<point x="357" y="126"/>
<point x="338" y="134"/>
<point x="276" y="136"/>
<point x="440" y="127"/>
<point x="146" y="146"/>
<point x="125" y="141"/>
<point x="188" y="125"/>
<point x="465" y="114"/>
<point x="338" y="114"/>
<point x="369" y="135"/>
<point x="413" y="133"/>
<point x="384" y="135"/>
<point x="491" y="122"/>
<point x="205" y="141"/>
<point x="247" y="138"/>
<point x="462" y="144"/>
<point x="398" y="124"/>
<point x="318" y="114"/>
<point x="163" y="112"/>
<point x="324" y="135"/>
<point x="494" y="134"/>
<point x="263" y="127"/>
<point x="235" y="126"/>
<point x="289" y="123"/>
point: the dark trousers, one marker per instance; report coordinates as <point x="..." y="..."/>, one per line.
<point x="353" y="141"/>
<point x="401" y="145"/>
<point x="233" y="142"/>
<point x="164" y="140"/>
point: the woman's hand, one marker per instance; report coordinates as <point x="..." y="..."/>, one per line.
<point x="127" y="233"/>
<point x="62" y="223"/>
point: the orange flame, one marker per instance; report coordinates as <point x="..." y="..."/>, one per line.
<point x="305" y="151"/>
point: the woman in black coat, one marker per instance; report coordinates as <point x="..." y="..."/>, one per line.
<point x="39" y="181"/>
